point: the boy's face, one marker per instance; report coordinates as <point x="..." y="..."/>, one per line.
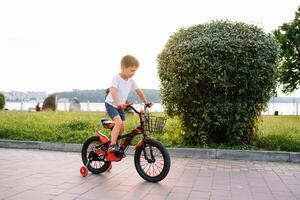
<point x="128" y="72"/>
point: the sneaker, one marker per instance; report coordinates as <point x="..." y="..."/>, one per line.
<point x="113" y="148"/>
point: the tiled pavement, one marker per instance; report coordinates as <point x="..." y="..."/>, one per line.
<point x="35" y="174"/>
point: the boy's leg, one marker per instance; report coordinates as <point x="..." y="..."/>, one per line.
<point x="118" y="117"/>
<point x="117" y="129"/>
<point x="122" y="115"/>
<point x="121" y="132"/>
<point x="122" y="128"/>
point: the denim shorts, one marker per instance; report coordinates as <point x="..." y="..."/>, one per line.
<point x="112" y="112"/>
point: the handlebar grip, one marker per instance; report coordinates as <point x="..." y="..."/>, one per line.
<point x="126" y="105"/>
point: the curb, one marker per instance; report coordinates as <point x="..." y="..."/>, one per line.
<point x="279" y="156"/>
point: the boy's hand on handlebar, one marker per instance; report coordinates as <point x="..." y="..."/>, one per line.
<point x="149" y="104"/>
<point x="123" y="105"/>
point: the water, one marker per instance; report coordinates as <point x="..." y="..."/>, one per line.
<point x="282" y="108"/>
<point x="61" y="106"/>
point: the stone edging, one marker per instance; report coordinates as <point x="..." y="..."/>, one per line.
<point x="281" y="156"/>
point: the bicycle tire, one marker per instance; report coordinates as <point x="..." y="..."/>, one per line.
<point x="166" y="161"/>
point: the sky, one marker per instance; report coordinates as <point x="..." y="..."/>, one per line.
<point x="61" y="45"/>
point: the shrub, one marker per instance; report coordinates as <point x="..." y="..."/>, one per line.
<point x="217" y="77"/>
<point x="2" y="101"/>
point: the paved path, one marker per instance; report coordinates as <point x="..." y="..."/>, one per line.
<point x="35" y="174"/>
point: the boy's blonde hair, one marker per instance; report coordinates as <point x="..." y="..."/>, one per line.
<point x="129" y="61"/>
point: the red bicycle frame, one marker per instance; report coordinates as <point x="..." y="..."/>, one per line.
<point x="110" y="156"/>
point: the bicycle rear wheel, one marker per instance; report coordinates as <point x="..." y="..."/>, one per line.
<point x="152" y="161"/>
<point x="96" y="166"/>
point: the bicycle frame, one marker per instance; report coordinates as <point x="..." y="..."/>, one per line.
<point x="128" y="138"/>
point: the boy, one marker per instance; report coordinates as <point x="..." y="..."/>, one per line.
<point x="120" y="88"/>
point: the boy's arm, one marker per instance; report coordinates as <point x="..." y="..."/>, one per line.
<point x="114" y="94"/>
<point x="141" y="95"/>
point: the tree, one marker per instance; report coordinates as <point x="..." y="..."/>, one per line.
<point x="217" y="77"/>
<point x="288" y="36"/>
<point x="2" y="101"/>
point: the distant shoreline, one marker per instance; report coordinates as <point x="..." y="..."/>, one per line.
<point x="276" y="100"/>
<point x="282" y="108"/>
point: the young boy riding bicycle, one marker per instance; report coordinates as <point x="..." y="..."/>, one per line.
<point x="121" y="85"/>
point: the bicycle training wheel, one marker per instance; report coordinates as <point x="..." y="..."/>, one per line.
<point x="96" y="166"/>
<point x="154" y="166"/>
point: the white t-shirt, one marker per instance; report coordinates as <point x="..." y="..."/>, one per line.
<point x="124" y="87"/>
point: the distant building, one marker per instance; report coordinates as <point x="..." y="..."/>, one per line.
<point x="14" y="95"/>
<point x="25" y="96"/>
<point x="36" y="96"/>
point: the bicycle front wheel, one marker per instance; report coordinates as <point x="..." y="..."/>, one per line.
<point x="152" y="161"/>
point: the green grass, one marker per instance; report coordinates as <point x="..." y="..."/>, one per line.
<point x="275" y="133"/>
<point x="47" y="126"/>
<point x="66" y="127"/>
<point x="279" y="133"/>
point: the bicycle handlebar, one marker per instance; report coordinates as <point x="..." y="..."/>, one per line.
<point x="129" y="105"/>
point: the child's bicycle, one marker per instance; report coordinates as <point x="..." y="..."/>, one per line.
<point x="151" y="158"/>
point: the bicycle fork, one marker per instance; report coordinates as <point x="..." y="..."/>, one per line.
<point x="150" y="158"/>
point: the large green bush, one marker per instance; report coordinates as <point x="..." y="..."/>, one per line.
<point x="2" y="101"/>
<point x="217" y="77"/>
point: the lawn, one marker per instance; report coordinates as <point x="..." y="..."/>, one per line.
<point x="279" y="133"/>
<point x="275" y="132"/>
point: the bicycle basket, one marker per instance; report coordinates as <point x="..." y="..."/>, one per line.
<point x="154" y="123"/>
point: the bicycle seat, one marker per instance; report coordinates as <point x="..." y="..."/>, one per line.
<point x="107" y="123"/>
